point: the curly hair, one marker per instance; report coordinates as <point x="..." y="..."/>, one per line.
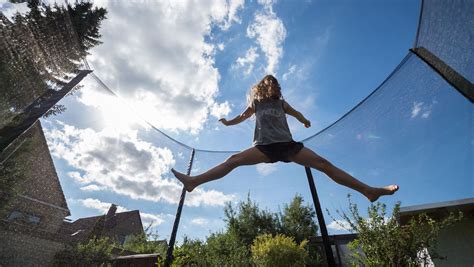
<point x="260" y="91"/>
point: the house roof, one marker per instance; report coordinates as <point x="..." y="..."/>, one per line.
<point x="438" y="209"/>
<point x="454" y="204"/>
<point x="123" y="224"/>
<point x="138" y="256"/>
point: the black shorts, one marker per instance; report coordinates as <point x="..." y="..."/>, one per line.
<point x="280" y="151"/>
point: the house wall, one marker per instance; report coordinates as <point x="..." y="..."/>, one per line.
<point x="39" y="195"/>
<point x="40" y="180"/>
<point x="457" y="244"/>
<point x="50" y="218"/>
<point x="19" y="249"/>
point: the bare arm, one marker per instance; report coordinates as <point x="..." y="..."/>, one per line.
<point x="240" y="118"/>
<point x="291" y="111"/>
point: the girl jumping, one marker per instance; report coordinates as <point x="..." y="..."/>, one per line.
<point x="273" y="142"/>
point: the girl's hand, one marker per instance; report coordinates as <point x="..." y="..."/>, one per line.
<point x="224" y="121"/>
<point x="307" y="123"/>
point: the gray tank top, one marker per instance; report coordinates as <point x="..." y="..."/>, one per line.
<point x="271" y="125"/>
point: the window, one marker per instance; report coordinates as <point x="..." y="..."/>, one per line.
<point x="15" y="215"/>
<point x="121" y="239"/>
<point x="22" y="217"/>
<point x="127" y="238"/>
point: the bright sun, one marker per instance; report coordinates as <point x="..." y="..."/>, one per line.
<point x="117" y="114"/>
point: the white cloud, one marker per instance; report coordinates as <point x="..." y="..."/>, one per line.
<point x="367" y="136"/>
<point x="92" y="187"/>
<point x="96" y="204"/>
<point x="343" y="225"/>
<point x="148" y="218"/>
<point x="124" y="164"/>
<point x="9" y="9"/>
<point x="270" y="33"/>
<point x="416" y="109"/>
<point x="426" y="114"/>
<point x="220" y="110"/>
<point x="199" y="221"/>
<point x="247" y="61"/>
<point x="233" y="7"/>
<point x="76" y="176"/>
<point x="339" y="225"/>
<point x="216" y="224"/>
<point x="420" y="108"/>
<point x="266" y="2"/>
<point x="266" y="168"/>
<point x="165" y="66"/>
<point x="103" y="207"/>
<point x="209" y="197"/>
<point x="290" y="71"/>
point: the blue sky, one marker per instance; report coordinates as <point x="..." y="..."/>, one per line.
<point x="181" y="66"/>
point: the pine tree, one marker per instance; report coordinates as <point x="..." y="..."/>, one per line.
<point x="43" y="49"/>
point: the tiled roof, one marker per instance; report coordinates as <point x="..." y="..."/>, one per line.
<point x="125" y="223"/>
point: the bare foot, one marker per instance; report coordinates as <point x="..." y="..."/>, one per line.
<point x="377" y="192"/>
<point x="185" y="179"/>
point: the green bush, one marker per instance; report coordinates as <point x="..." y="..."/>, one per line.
<point x="190" y="253"/>
<point x="220" y="249"/>
<point x="244" y="223"/>
<point x="279" y="250"/>
<point x="146" y="242"/>
<point x="382" y="241"/>
<point x="95" y="252"/>
<point x="226" y="249"/>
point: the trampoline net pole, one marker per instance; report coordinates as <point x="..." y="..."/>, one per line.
<point x="319" y="214"/>
<point x="169" y="252"/>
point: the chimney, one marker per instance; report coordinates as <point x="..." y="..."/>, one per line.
<point x="110" y="219"/>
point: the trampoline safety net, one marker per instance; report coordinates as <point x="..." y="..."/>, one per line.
<point x="405" y="132"/>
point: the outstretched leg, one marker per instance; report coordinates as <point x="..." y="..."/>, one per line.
<point x="308" y="158"/>
<point x="250" y="156"/>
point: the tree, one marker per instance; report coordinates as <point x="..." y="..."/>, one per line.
<point x="245" y="222"/>
<point x="39" y="52"/>
<point x="86" y="22"/>
<point x="145" y="243"/>
<point x="248" y="221"/>
<point x="382" y="241"/>
<point x="43" y="49"/>
<point x="297" y="220"/>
